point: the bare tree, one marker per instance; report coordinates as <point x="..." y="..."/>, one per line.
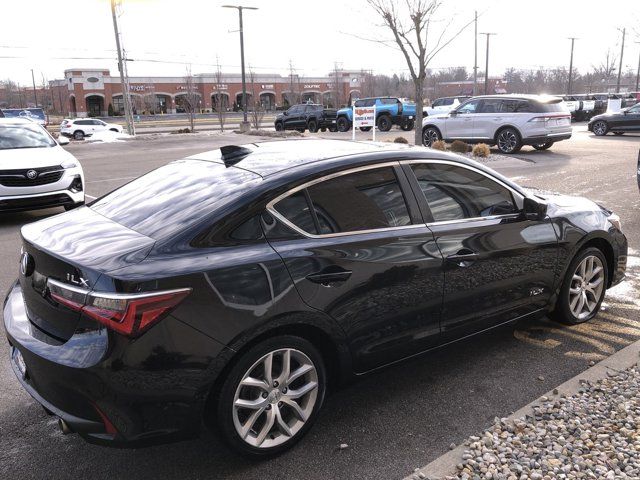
<point x="337" y="86"/>
<point x="412" y="26"/>
<point x="150" y="102"/>
<point x="11" y="93"/>
<point x="608" y="66"/>
<point x="257" y="109"/>
<point x="294" y="82"/>
<point x="221" y="99"/>
<point x="190" y="99"/>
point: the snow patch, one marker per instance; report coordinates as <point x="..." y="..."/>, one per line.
<point x="108" y="136"/>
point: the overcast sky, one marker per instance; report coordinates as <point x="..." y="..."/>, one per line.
<point x="50" y="36"/>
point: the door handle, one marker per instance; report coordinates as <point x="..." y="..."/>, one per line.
<point x="463" y="258"/>
<point x="329" y="275"/>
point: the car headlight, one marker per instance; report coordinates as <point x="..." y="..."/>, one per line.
<point x="68" y="164"/>
<point x="615" y="221"/>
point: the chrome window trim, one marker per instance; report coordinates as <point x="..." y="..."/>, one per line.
<point x="271" y="205"/>
<point x="517" y="196"/>
<point x="67" y="286"/>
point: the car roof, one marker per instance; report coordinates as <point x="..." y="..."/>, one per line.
<point x="16" y="121"/>
<point x="304" y="156"/>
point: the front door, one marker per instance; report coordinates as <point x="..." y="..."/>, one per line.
<point x="459" y="124"/>
<point x="631" y="120"/>
<point x="292" y="118"/>
<point x="498" y="265"/>
<point x="365" y="257"/>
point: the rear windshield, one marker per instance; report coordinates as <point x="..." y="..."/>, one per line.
<point x="551" y="106"/>
<point x="173" y="198"/>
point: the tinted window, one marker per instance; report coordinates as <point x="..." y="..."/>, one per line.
<point x="296" y="209"/>
<point x="367" y="102"/>
<point x="516" y="106"/>
<point x="455" y="193"/>
<point x="170" y="199"/>
<point x="491" y="105"/>
<point x="469" y="107"/>
<point x="548" y="107"/>
<point x="360" y="201"/>
<point x="389" y="101"/>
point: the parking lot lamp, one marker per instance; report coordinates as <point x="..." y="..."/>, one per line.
<point x="245" y="122"/>
<point x="486" y="65"/>
<point x="573" y="39"/>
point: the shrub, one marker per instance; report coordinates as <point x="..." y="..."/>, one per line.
<point x="481" y="150"/>
<point x="400" y="140"/>
<point x="459" y="146"/>
<point x="110" y="110"/>
<point x="439" y="145"/>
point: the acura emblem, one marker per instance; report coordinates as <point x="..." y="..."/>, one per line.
<point x="32" y="174"/>
<point x="26" y="264"/>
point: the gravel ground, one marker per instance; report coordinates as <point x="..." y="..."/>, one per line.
<point x="592" y="435"/>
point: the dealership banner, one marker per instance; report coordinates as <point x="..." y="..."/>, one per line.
<point x="364" y="117"/>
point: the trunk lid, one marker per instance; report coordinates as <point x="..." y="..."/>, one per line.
<point x="75" y="248"/>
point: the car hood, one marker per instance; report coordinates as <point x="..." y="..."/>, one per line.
<point x="33" y="157"/>
<point x="561" y="205"/>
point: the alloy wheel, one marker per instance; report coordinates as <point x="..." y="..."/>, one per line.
<point x="600" y="128"/>
<point x="586" y="288"/>
<point x="429" y="136"/>
<point x="507" y="141"/>
<point x="275" y="398"/>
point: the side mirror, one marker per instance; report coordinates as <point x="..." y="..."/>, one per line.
<point x="285" y="113"/>
<point x="453" y="113"/>
<point x="534" y="209"/>
<point x="63" y="140"/>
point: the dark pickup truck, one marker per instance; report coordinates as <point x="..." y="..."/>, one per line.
<point x="307" y="116"/>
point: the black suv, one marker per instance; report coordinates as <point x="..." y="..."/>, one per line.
<point x="235" y="285"/>
<point x="307" y="116"/>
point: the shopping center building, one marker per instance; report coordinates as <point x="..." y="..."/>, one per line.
<point x="89" y="92"/>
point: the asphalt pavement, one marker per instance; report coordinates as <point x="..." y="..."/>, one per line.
<point x="393" y="421"/>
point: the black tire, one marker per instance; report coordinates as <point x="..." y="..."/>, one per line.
<point x="333" y="129"/>
<point x="279" y="127"/>
<point x="224" y="407"/>
<point x="301" y="130"/>
<point x="543" y="146"/>
<point x="408" y="126"/>
<point x="78" y="135"/>
<point x="72" y="206"/>
<point x="323" y="129"/>
<point x="618" y="133"/>
<point x="365" y="129"/>
<point x="562" y="311"/>
<point x="430" y="135"/>
<point x="600" y="128"/>
<point x="312" y="125"/>
<point x="508" y="140"/>
<point x="384" y="123"/>
<point x="343" y="124"/>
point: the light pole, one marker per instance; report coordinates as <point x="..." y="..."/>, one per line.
<point x="638" y="74"/>
<point x="624" y="31"/>
<point x="35" y="96"/>
<point x="475" y="54"/>
<point x="573" y="39"/>
<point x="486" y="65"/>
<point x="245" y="122"/>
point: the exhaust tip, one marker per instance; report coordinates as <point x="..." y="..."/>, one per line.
<point x="64" y="427"/>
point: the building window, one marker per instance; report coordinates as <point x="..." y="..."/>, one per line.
<point x="118" y="104"/>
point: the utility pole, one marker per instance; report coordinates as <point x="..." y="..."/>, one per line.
<point x="475" y="53"/>
<point x="638" y="74"/>
<point x="573" y="39"/>
<point x="245" y="122"/>
<point x="123" y="83"/>
<point x="624" y="31"/>
<point x="35" y="95"/>
<point x="486" y="67"/>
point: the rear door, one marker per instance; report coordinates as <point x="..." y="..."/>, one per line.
<point x="365" y="257"/>
<point x="498" y="265"/>
<point x="489" y="118"/>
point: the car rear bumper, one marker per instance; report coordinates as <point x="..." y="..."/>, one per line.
<point x="111" y="390"/>
<point x="550" y="137"/>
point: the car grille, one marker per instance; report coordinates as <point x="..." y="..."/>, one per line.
<point x="19" y="178"/>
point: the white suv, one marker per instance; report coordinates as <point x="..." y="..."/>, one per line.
<point x="35" y="171"/>
<point x="85" y="127"/>
<point x="508" y="121"/>
<point x="444" y="105"/>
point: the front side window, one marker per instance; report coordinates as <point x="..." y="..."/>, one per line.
<point x="365" y="200"/>
<point x="456" y="193"/>
<point x="24" y="136"/>
<point x="635" y="109"/>
<point x="469" y="107"/>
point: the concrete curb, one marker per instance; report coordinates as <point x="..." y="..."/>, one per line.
<point x="621" y="360"/>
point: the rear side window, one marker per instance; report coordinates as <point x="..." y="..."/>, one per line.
<point x="550" y="107"/>
<point x="172" y="198"/>
<point x="389" y="101"/>
<point x="491" y="105"/>
<point x="365" y="200"/>
<point x="456" y="193"/>
<point x="516" y="106"/>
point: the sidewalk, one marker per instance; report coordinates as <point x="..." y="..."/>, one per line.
<point x="586" y="428"/>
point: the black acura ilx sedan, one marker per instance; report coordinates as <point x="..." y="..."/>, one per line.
<point x="232" y="288"/>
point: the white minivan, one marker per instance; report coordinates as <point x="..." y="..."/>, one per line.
<point x="507" y="121"/>
<point x="35" y="171"/>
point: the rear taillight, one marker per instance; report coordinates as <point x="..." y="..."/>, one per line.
<point x="546" y="118"/>
<point x="128" y="314"/>
<point x="132" y="314"/>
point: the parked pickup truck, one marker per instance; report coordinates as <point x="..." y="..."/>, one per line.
<point x="389" y="111"/>
<point x="307" y="116"/>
